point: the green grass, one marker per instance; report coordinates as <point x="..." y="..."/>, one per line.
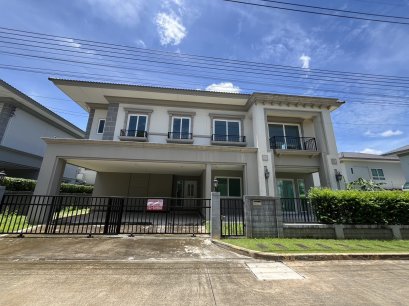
<point x="233" y="230"/>
<point x="275" y="245"/>
<point x="12" y="222"/>
<point x="71" y="211"/>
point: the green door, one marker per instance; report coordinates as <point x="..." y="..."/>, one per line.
<point x="287" y="194"/>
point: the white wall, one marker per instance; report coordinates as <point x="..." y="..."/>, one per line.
<point x="404" y="163"/>
<point x="394" y="177"/>
<point x="24" y="132"/>
<point x="99" y="114"/>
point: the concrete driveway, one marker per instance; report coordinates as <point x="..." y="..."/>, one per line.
<point x="180" y="271"/>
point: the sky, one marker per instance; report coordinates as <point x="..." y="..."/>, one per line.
<point x="374" y="118"/>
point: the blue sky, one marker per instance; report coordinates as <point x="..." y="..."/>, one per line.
<point x="371" y="121"/>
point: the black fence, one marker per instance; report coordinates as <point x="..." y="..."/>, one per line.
<point x="33" y="214"/>
<point x="232" y="217"/>
<point x="180" y="135"/>
<point x="293" y="143"/>
<point x="298" y="210"/>
<point x="134" y="133"/>
<point x="229" y="138"/>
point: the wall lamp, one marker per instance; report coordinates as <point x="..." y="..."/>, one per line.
<point x="338" y="176"/>
<point x="266" y="173"/>
<point x="215" y="184"/>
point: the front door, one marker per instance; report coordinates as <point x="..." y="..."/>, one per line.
<point x="286" y="192"/>
<point x="190" y="189"/>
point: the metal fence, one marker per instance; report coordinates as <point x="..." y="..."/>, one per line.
<point x="34" y="214"/>
<point x="298" y="210"/>
<point x="232" y="217"/>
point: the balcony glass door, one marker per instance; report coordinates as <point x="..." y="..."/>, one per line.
<point x="181" y="128"/>
<point x="137" y="125"/>
<point x="285" y="136"/>
<point x="226" y="130"/>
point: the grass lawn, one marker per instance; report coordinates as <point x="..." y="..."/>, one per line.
<point x="275" y="245"/>
<point x="12" y="222"/>
<point x="71" y="211"/>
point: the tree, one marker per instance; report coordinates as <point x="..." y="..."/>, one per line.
<point x="364" y="185"/>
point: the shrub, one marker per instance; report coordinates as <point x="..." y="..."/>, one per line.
<point x="20" y="184"/>
<point x="360" y="207"/>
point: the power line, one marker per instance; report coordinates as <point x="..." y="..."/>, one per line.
<point x="316" y="13"/>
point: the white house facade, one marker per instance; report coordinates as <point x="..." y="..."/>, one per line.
<point x="403" y="154"/>
<point x="161" y="142"/>
<point x="385" y="170"/>
<point x="23" y="122"/>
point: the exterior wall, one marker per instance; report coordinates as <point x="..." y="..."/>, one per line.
<point x="394" y="177"/>
<point x="404" y="162"/>
<point x="24" y="131"/>
<point x="133" y="184"/>
<point x="98" y="114"/>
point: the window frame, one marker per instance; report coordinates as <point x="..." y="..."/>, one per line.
<point x="284" y="134"/>
<point x="99" y="124"/>
<point x="378" y="177"/>
<point x="227" y="128"/>
<point x="137" y="122"/>
<point x="228" y="191"/>
<point x="181" y="119"/>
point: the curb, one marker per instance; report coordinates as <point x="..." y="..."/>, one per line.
<point x="310" y="256"/>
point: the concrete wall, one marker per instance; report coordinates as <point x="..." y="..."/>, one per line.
<point x="24" y="131"/>
<point x="404" y="163"/>
<point x="133" y="184"/>
<point x="99" y="114"/>
<point x="394" y="176"/>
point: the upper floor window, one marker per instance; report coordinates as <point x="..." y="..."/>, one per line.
<point x="285" y="136"/>
<point x="181" y="128"/>
<point x="101" y="126"/>
<point x="227" y="130"/>
<point x="377" y="174"/>
<point x="137" y="124"/>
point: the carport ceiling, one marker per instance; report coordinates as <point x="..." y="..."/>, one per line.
<point x="139" y="167"/>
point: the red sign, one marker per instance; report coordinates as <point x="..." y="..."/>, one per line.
<point x="154" y="205"/>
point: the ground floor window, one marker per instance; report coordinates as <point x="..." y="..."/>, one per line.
<point x="377" y="174"/>
<point x="229" y="186"/>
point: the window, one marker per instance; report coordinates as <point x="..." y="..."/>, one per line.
<point x="137" y="125"/>
<point x="229" y="186"/>
<point x="377" y="174"/>
<point x="226" y="130"/>
<point x="181" y="128"/>
<point x="101" y="126"/>
<point x="285" y="136"/>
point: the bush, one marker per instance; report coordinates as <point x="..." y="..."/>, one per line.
<point x="20" y="184"/>
<point x="360" y="207"/>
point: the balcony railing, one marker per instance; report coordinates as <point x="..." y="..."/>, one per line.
<point x="228" y="138"/>
<point x="293" y="143"/>
<point x="179" y="135"/>
<point x="134" y="133"/>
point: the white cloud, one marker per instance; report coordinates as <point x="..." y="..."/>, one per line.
<point x="387" y="133"/>
<point x="121" y="11"/>
<point x="170" y="29"/>
<point x="69" y="42"/>
<point x="305" y="61"/>
<point x="390" y="133"/>
<point x="371" y="151"/>
<point x="223" y="87"/>
<point x="140" y="43"/>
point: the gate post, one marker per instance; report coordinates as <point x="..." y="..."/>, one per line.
<point x="215" y="222"/>
<point x="2" y="192"/>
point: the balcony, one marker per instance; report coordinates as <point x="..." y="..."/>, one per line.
<point x="133" y="135"/>
<point x="294" y="145"/>
<point x="180" y="137"/>
<point x="229" y="140"/>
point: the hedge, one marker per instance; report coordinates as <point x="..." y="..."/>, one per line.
<point x="20" y="184"/>
<point x="360" y="207"/>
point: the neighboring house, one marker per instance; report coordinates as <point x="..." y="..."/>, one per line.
<point x="403" y="154"/>
<point x="378" y="168"/>
<point x="163" y="142"/>
<point x="23" y="122"/>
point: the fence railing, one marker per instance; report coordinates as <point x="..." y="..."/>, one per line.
<point x="232" y="217"/>
<point x="180" y="135"/>
<point x="34" y="214"/>
<point x="134" y="133"/>
<point x="229" y="138"/>
<point x="298" y="210"/>
<point x="293" y="143"/>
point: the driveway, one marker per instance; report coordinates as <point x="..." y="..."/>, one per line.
<point x="180" y="271"/>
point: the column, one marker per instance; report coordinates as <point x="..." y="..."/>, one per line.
<point x="215" y="222"/>
<point x="208" y="181"/>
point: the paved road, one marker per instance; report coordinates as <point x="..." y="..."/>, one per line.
<point x="180" y="271"/>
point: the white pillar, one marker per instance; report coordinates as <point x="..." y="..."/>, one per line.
<point x="49" y="178"/>
<point x="215" y="222"/>
<point x="264" y="157"/>
<point x="208" y="181"/>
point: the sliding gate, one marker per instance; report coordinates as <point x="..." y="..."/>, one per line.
<point x="33" y="214"/>
<point x="232" y="217"/>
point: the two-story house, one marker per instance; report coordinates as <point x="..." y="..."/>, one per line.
<point x="165" y="142"/>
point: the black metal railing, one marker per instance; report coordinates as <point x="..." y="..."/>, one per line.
<point x="293" y="143"/>
<point x="34" y="214"/>
<point x="228" y="138"/>
<point x="180" y="135"/>
<point x="134" y="133"/>
<point x="298" y="210"/>
<point x="232" y="217"/>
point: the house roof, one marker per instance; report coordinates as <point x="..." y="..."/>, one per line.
<point x="398" y="151"/>
<point x="365" y="156"/>
<point x="102" y="92"/>
<point x="29" y="104"/>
